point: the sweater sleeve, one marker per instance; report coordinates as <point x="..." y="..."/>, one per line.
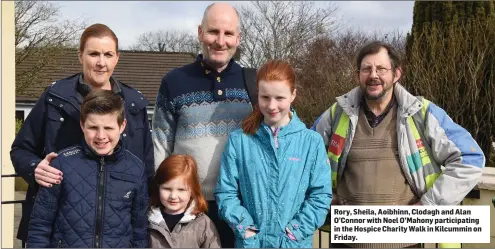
<point x="319" y="195"/>
<point x="164" y="125"/>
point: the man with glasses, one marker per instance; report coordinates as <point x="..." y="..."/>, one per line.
<point x="386" y="146"/>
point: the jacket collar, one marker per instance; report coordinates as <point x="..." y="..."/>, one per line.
<point x="117" y="154"/>
<point x="155" y="215"/>
<point x="408" y="104"/>
<point x="293" y="126"/>
<point x="232" y="67"/>
<point x="84" y="88"/>
<point x="67" y="89"/>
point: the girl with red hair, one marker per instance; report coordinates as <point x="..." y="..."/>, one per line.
<point x="177" y="207"/>
<point x="274" y="187"/>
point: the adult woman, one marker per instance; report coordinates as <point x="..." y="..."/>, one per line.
<point x="53" y="124"/>
<point x="274" y="183"/>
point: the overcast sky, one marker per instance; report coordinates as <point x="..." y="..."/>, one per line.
<point x="128" y="19"/>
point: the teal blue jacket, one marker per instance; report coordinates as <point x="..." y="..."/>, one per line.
<point x="270" y="183"/>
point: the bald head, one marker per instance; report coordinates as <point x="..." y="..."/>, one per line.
<point x="215" y="9"/>
<point x="219" y="34"/>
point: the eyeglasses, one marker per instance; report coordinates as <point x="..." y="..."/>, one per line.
<point x="379" y="71"/>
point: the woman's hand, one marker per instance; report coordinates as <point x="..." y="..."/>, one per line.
<point x="46" y="175"/>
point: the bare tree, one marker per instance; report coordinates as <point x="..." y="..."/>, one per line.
<point x="167" y="41"/>
<point x="282" y="30"/>
<point x="39" y="35"/>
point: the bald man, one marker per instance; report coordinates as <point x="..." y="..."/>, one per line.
<point x="199" y="104"/>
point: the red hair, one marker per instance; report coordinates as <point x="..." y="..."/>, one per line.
<point x="273" y="70"/>
<point x="179" y="166"/>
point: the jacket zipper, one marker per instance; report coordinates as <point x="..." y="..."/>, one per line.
<point x="166" y="233"/>
<point x="59" y="243"/>
<point x="100" y="204"/>
<point x="275" y="136"/>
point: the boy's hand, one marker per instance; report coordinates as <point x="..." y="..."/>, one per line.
<point x="46" y="175"/>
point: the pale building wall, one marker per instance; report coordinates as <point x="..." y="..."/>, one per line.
<point x="8" y="120"/>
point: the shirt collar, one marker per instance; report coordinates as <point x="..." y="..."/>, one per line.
<point x="209" y="69"/>
<point x="116" y="154"/>
<point x="387" y="109"/>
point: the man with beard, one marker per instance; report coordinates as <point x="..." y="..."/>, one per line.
<point x="199" y="104"/>
<point x="386" y="146"/>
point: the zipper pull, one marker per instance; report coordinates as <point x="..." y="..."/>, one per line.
<point x="102" y="163"/>
<point x="60" y="244"/>
<point x="275" y="136"/>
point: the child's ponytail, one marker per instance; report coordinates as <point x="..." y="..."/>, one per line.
<point x="252" y="122"/>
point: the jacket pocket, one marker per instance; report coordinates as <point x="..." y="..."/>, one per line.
<point x="251" y="242"/>
<point x="61" y="129"/>
<point x="54" y="120"/>
<point x="122" y="190"/>
<point x="287" y="242"/>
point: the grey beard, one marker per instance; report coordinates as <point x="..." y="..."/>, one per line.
<point x="375" y="97"/>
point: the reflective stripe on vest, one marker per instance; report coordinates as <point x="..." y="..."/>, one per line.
<point x="449" y="245"/>
<point x="421" y="158"/>
<point x="337" y="142"/>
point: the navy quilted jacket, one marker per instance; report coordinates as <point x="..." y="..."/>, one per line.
<point x="102" y="202"/>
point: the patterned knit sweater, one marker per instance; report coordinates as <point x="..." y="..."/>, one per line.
<point x="196" y="109"/>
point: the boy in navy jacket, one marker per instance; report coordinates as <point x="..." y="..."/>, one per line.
<point x="103" y="199"/>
